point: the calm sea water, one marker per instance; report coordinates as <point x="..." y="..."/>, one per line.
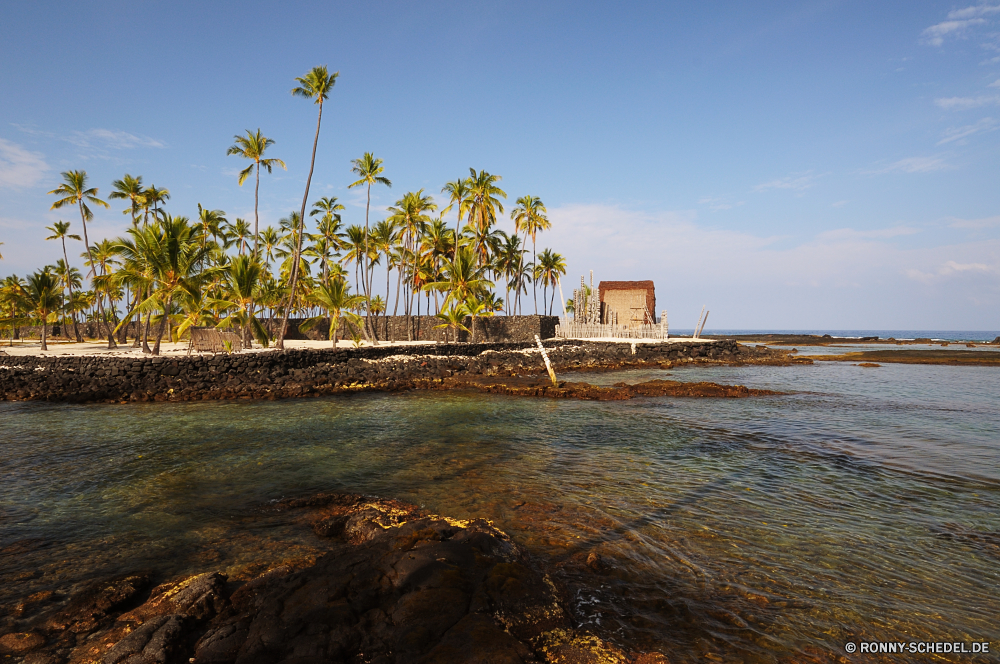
<point x="943" y="335"/>
<point x="863" y="505"/>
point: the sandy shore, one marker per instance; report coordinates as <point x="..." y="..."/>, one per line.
<point x="100" y="348"/>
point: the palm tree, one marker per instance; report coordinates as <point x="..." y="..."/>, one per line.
<point x="315" y="85"/>
<point x="243" y="279"/>
<point x="12" y="302"/>
<point x="462" y="277"/>
<point x="153" y="196"/>
<point x="211" y="222"/>
<point x="550" y="266"/>
<point x="239" y="233"/>
<point x="74" y="190"/>
<point x="453" y="318"/>
<point x="129" y="188"/>
<point x="529" y="216"/>
<point x="269" y="238"/>
<point x="40" y="298"/>
<point x="477" y="308"/>
<point x="510" y="258"/>
<point x="176" y="264"/>
<point x="337" y="300"/>
<point x="252" y="147"/>
<point x="410" y="215"/>
<point x="458" y="195"/>
<point x="369" y="171"/>
<point x="328" y="227"/>
<point x="484" y="204"/>
<point x="60" y="231"/>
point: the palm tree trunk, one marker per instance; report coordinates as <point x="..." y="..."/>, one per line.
<point x="280" y="343"/>
<point x="145" y="335"/>
<point x="256" y="218"/>
<point x="69" y="284"/>
<point x="93" y="273"/>
<point x="44" y="345"/>
<point x="163" y="324"/>
<point x="534" y="282"/>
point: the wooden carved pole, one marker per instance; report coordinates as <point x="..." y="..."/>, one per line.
<point x="548" y="365"/>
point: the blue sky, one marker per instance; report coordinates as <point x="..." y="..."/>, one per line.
<point x="810" y="165"/>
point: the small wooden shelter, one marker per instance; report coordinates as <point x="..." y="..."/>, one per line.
<point x="628" y="303"/>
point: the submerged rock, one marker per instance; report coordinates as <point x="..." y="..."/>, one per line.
<point x="396" y="585"/>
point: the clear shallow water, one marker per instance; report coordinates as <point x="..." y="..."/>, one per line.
<point x="944" y="335"/>
<point x="862" y="506"/>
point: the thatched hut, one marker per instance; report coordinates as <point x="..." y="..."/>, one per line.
<point x="628" y="302"/>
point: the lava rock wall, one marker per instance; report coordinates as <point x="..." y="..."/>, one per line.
<point x="276" y="374"/>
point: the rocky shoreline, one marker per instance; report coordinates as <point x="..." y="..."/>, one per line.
<point x="275" y="375"/>
<point x="395" y="584"/>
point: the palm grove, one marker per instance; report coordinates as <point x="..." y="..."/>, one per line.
<point x="170" y="272"/>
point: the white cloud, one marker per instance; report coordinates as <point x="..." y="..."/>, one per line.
<point x="950" y="269"/>
<point x="935" y="34"/>
<point x="20" y="168"/>
<point x="795" y="181"/>
<point x="839" y="204"/>
<point x="835" y="278"/>
<point x="960" y="133"/>
<point x="958" y="23"/>
<point x="994" y="84"/>
<point x="913" y="165"/>
<point x="973" y="11"/>
<point x="964" y="103"/>
<point x="115" y="140"/>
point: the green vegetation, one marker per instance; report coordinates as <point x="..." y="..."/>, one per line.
<point x="170" y="272"/>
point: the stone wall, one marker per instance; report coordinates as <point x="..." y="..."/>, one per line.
<point x="274" y="374"/>
<point x="393" y="328"/>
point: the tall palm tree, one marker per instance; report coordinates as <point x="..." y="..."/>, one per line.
<point x="11" y="302"/>
<point x="252" y="147"/>
<point x="211" y="222"/>
<point x="328" y="227"/>
<point x="74" y="190"/>
<point x="269" y="238"/>
<point x="315" y="85"/>
<point x="529" y="217"/>
<point x="484" y="204"/>
<point x="550" y="266"/>
<point x="509" y="259"/>
<point x="369" y="171"/>
<point x="153" y="196"/>
<point x="41" y="298"/>
<point x="458" y="196"/>
<point x="60" y="231"/>
<point x="410" y="215"/>
<point x="129" y="188"/>
<point x="239" y="233"/>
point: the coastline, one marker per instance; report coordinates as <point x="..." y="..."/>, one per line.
<point x="298" y="373"/>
